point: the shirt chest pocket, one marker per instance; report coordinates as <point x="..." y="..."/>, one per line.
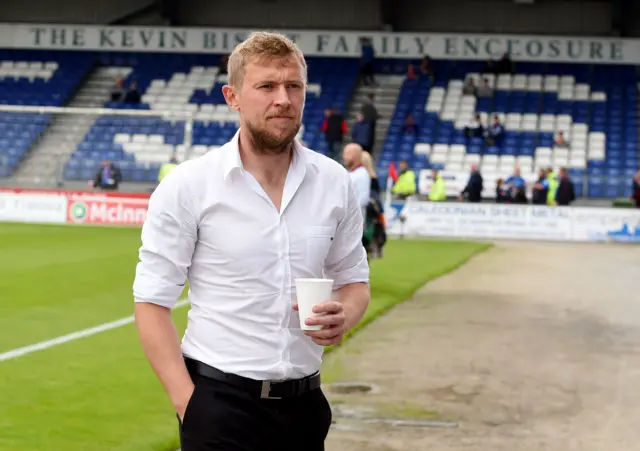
<point x="318" y="240"/>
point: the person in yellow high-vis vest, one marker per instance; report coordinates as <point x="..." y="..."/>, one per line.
<point x="438" y="191"/>
<point x="405" y="185"/>
<point x="166" y="168"/>
<point x="552" y="186"/>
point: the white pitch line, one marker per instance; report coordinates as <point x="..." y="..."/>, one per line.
<point x="19" y="352"/>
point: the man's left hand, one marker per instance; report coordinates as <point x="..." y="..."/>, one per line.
<point x="333" y="322"/>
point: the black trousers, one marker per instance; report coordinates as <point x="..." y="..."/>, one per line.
<point x="222" y="417"/>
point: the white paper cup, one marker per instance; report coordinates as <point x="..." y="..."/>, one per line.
<point x="311" y="292"/>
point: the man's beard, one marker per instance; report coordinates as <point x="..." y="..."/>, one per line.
<point x="267" y="143"/>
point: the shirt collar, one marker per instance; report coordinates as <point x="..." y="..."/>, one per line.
<point x="234" y="163"/>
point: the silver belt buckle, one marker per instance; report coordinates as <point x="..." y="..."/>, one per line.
<point x="266" y="390"/>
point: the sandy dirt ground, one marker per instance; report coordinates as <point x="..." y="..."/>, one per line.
<point x="527" y="347"/>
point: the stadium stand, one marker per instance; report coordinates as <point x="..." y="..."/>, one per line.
<point x="189" y="84"/>
<point x="595" y="107"/>
<point x="28" y="79"/>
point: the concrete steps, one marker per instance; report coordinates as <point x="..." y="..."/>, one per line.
<point x="386" y="96"/>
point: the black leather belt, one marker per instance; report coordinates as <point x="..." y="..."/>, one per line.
<point x="263" y="389"/>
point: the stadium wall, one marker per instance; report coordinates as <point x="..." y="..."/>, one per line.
<point x="324" y="43"/>
<point x="423" y="219"/>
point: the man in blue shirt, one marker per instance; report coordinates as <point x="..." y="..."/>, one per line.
<point x="515" y="182"/>
<point x="108" y="177"/>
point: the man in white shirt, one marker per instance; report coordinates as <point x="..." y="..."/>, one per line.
<point x="240" y="224"/>
<point x="352" y="157"/>
<point x="361" y="179"/>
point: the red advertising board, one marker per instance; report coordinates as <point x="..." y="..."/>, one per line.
<point x="106" y="211"/>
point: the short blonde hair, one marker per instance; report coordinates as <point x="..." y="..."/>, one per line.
<point x="261" y="45"/>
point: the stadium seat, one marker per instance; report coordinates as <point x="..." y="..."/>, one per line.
<point x="594" y="106"/>
<point x="192" y="84"/>
<point x="33" y="78"/>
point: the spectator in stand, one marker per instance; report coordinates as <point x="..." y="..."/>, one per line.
<point x="411" y="72"/>
<point x="495" y="133"/>
<point x="410" y="127"/>
<point x="371" y="115"/>
<point x="515" y="182"/>
<point x="635" y="189"/>
<point x="405" y="186"/>
<point x="505" y="65"/>
<point x="367" y="62"/>
<point x="540" y="189"/>
<point x="167" y="167"/>
<point x="108" y="177"/>
<point x="552" y="185"/>
<point x="559" y="140"/>
<point x="133" y="95"/>
<point x="438" y="191"/>
<point x="426" y="69"/>
<point x="502" y="195"/>
<point x="224" y="62"/>
<point x="565" y="193"/>
<point x="473" y="191"/>
<point x="520" y="196"/>
<point x="361" y="132"/>
<point x="118" y="93"/>
<point x="485" y="89"/>
<point x="469" y="87"/>
<point x="475" y="128"/>
<point x="334" y="128"/>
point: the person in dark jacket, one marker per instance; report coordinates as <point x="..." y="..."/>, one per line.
<point x="367" y="61"/>
<point x="565" y="194"/>
<point x="410" y="127"/>
<point x="473" y="191"/>
<point x="334" y="128"/>
<point x="371" y="115"/>
<point x="133" y="95"/>
<point x="361" y="132"/>
<point x="540" y="189"/>
<point x="635" y="189"/>
<point x="502" y="193"/>
<point x="520" y="196"/>
<point x="374" y="212"/>
<point x="108" y="177"/>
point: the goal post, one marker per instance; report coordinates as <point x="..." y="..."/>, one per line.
<point x="73" y="141"/>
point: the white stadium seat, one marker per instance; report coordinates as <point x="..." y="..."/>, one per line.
<point x="451" y="105"/>
<point x="422" y="149"/>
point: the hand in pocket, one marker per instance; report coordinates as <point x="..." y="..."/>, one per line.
<point x="182" y="405"/>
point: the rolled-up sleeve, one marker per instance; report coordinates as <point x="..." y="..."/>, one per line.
<point x="169" y="236"/>
<point x="347" y="260"/>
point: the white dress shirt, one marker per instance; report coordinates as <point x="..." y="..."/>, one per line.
<point x="362" y="182"/>
<point x="211" y="223"/>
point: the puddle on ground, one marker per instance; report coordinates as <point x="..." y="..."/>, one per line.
<point x="351" y="388"/>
